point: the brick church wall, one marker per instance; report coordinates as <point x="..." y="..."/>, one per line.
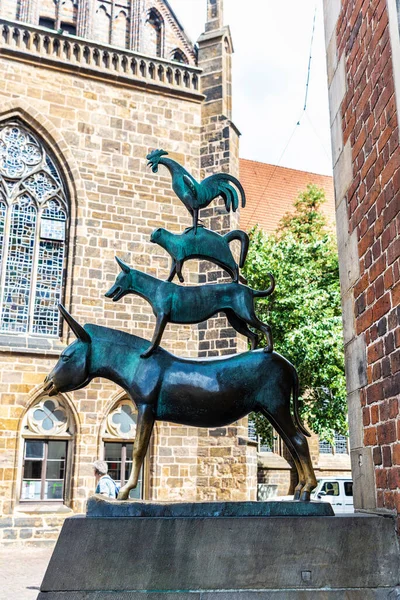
<point x="99" y="127"/>
<point x="362" y="43"/>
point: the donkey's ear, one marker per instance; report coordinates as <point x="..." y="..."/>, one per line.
<point x="78" y="330"/>
<point x="125" y="268"/>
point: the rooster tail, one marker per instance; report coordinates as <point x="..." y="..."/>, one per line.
<point x="226" y="177"/>
<point x="229" y="196"/>
<point x="218" y="184"/>
<point x="243" y="238"/>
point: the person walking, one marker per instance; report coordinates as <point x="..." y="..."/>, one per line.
<point x="106" y="486"/>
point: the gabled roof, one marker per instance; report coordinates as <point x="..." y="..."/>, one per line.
<point x="271" y="191"/>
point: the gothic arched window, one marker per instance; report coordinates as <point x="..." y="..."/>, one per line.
<point x="156" y="23"/>
<point x="48" y="437"/>
<point x="178" y="56"/>
<point x="119" y="439"/>
<point x="33" y="225"/>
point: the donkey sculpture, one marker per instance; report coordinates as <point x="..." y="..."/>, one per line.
<point x="200" y="393"/>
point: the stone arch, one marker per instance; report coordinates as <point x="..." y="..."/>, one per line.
<point x="156" y="29"/>
<point x="68" y="16"/>
<point x="120" y="30"/>
<point x="102" y="24"/>
<point x="53" y="140"/>
<point x="179" y="56"/>
<point x="105" y="436"/>
<point x="35" y="397"/>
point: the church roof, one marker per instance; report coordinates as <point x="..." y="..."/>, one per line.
<point x="271" y="191"/>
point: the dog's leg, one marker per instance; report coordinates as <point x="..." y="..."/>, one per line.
<point x="162" y="320"/>
<point x="145" y="424"/>
<point x="253" y="321"/>
<point x="173" y="271"/>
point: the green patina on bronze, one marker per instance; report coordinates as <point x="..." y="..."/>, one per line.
<point x="193" y="392"/>
<point x="202" y="392"/>
<point x="206" y="245"/>
<point x="173" y="303"/>
<point x="196" y="195"/>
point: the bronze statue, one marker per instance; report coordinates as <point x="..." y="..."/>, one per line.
<point x="201" y="393"/>
<point x="196" y="195"/>
<point x="206" y="245"/>
<point x="173" y="303"/>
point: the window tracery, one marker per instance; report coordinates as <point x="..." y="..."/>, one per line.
<point x="33" y="222"/>
<point x="121" y="422"/>
<point x="48" y="417"/>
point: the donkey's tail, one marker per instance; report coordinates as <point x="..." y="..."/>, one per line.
<point x="244" y="241"/>
<point x="268" y="292"/>
<point x="297" y="419"/>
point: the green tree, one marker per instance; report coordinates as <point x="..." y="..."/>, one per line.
<point x="305" y="311"/>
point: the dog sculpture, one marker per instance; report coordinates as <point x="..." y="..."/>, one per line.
<point x="205" y="244"/>
<point x="192" y="304"/>
<point x="200" y="393"/>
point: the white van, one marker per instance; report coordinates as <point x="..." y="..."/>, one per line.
<point x="338" y="491"/>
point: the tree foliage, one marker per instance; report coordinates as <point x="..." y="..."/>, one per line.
<point x="305" y="311"/>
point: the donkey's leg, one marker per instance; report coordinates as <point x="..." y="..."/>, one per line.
<point x="293" y="454"/>
<point x="145" y="425"/>
<point x="281" y="418"/>
<point x="161" y="322"/>
<point x="242" y="328"/>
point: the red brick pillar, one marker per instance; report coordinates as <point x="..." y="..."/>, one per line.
<point x="363" y="46"/>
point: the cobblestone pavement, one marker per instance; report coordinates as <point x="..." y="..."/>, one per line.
<point x="21" y="571"/>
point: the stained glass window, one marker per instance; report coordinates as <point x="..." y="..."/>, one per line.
<point x="33" y="225"/>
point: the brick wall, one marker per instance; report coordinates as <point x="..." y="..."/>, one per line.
<point x="366" y="167"/>
<point x="99" y="133"/>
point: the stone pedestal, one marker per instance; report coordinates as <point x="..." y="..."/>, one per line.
<point x="199" y="557"/>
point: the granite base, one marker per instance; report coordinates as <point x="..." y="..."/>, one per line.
<point x="352" y="557"/>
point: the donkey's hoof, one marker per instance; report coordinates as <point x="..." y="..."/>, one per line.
<point x="297" y="495"/>
<point x="268" y="348"/>
<point x="305" y="496"/>
<point x="123" y="493"/>
<point x="146" y="354"/>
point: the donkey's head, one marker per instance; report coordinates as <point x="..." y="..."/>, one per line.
<point x="122" y="284"/>
<point x="72" y="370"/>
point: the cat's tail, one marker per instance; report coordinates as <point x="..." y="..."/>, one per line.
<point x="243" y="238"/>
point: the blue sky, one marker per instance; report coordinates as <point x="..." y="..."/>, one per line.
<point x="272" y="46"/>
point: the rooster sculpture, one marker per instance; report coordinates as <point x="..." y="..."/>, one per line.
<point x="196" y="195"/>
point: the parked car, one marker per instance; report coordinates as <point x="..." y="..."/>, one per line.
<point x="338" y="491"/>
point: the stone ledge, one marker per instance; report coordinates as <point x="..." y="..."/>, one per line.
<point x="288" y="594"/>
<point x="100" y="507"/>
<point x="37" y="45"/>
